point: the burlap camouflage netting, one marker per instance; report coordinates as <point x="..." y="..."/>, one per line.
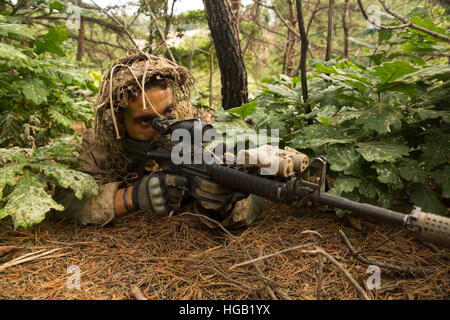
<point x="126" y="79"/>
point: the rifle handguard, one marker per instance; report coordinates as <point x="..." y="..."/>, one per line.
<point x="433" y="228"/>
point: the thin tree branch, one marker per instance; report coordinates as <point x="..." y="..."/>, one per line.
<point x="118" y="23"/>
<point x="412" y="25"/>
<point x="159" y="30"/>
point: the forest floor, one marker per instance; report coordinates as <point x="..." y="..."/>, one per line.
<point x="181" y="258"/>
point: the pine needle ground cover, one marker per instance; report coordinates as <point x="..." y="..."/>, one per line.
<point x="181" y="258"/>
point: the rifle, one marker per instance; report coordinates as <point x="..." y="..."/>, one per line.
<point x="286" y="187"/>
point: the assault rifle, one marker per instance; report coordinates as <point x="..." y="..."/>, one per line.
<point x="290" y="183"/>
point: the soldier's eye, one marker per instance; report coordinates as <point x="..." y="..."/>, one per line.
<point x="169" y="111"/>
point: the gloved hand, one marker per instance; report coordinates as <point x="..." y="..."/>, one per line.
<point x="213" y="196"/>
<point x="158" y="192"/>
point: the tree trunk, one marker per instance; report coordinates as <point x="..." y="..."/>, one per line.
<point x="330" y="30"/>
<point x="303" y="51"/>
<point x="291" y="41"/>
<point x="229" y="55"/>
<point x="211" y="73"/>
<point x="345" y="27"/>
<point x="81" y="32"/>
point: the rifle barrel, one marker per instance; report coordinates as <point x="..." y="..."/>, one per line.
<point x="364" y="209"/>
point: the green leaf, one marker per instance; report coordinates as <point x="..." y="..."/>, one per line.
<point x="381" y="151"/>
<point x="60" y="119"/>
<point x="57" y="5"/>
<point x="427" y="24"/>
<point x="409" y="89"/>
<point x="34" y="89"/>
<point x="283" y="91"/>
<point x="384" y="34"/>
<point x="15" y="154"/>
<point x="427" y="199"/>
<point x="368" y="189"/>
<point x="390" y="71"/>
<point x="344" y="184"/>
<point x="28" y="202"/>
<point x="8" y="52"/>
<point x="442" y="178"/>
<point x="244" y="110"/>
<point x="440" y="72"/>
<point x="433" y="114"/>
<point x="18" y="30"/>
<point x="362" y="42"/>
<point x="344" y="158"/>
<point x="52" y="40"/>
<point x="380" y="118"/>
<point x="316" y="135"/>
<point x="81" y="183"/>
<point x="349" y="76"/>
<point x="388" y="174"/>
<point x="65" y="152"/>
<point x="436" y="149"/>
<point x="8" y="174"/>
<point x="411" y="170"/>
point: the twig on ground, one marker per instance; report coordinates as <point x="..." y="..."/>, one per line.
<point x="349" y="277"/>
<point x="364" y="260"/>
<point x="271" y="255"/>
<point x="381" y="244"/>
<point x="319" y="258"/>
<point x="136" y="293"/>
<point x="26" y="257"/>
<point x="269" y="289"/>
<point x="258" y="270"/>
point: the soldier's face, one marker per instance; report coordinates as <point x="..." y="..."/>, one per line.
<point x="138" y="121"/>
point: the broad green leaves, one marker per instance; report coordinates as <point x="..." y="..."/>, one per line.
<point x="436" y="149"/>
<point x="52" y="40"/>
<point x="428" y="200"/>
<point x="81" y="183"/>
<point x="345" y="184"/>
<point x="8" y="174"/>
<point x="380" y="118"/>
<point x="381" y="151"/>
<point x="28" y="202"/>
<point x="344" y="158"/>
<point x="34" y="89"/>
<point x="29" y="172"/>
<point x="39" y="92"/>
<point x="442" y="178"/>
<point x="388" y="174"/>
<point x="391" y="71"/>
<point x="244" y="111"/>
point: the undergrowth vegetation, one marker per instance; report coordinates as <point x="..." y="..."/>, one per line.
<point x="41" y="94"/>
<point x="381" y="120"/>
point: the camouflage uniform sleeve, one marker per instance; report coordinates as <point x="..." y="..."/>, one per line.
<point x="95" y="210"/>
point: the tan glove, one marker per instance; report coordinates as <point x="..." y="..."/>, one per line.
<point x="213" y="196"/>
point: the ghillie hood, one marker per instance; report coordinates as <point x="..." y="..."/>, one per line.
<point x="127" y="79"/>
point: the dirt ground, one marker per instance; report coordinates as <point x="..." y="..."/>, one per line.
<point x="181" y="258"/>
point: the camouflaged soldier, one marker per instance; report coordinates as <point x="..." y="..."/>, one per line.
<point x="122" y="109"/>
